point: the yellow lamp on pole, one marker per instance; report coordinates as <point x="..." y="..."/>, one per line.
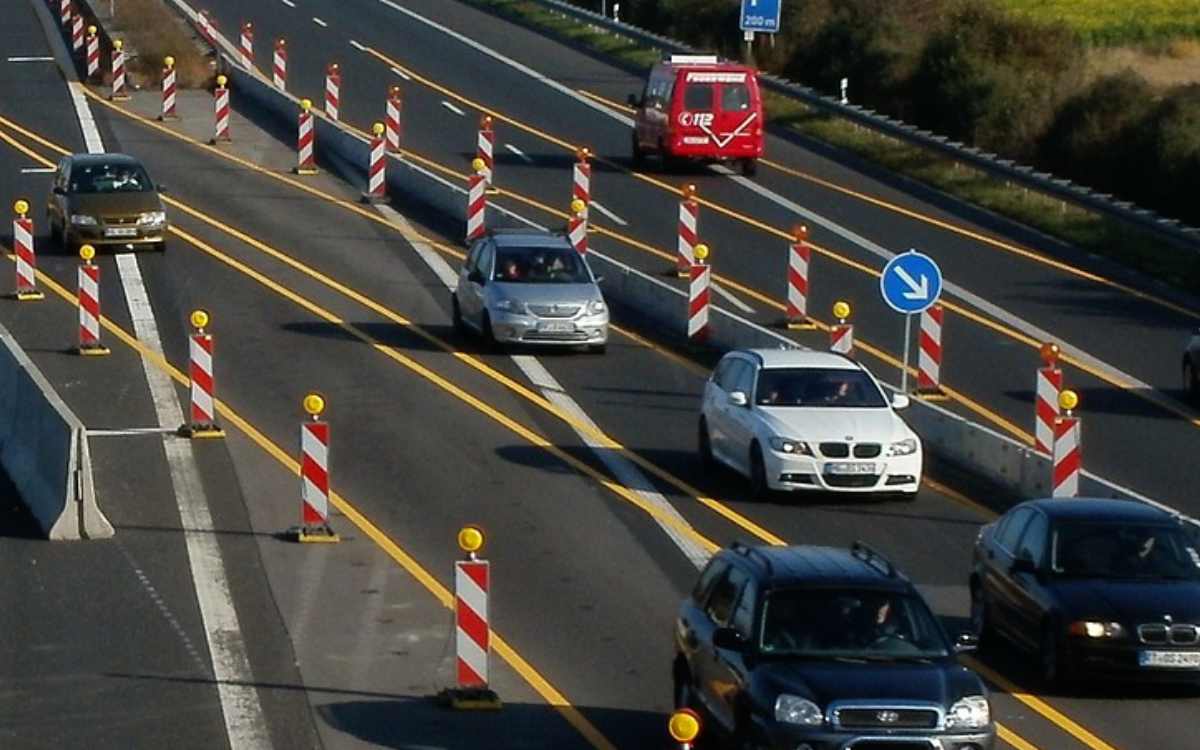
<point x="684" y="726"/>
<point x="470" y="539"/>
<point x="1068" y="400"/>
<point x="199" y="320"/>
<point x="841" y="310"/>
<point x="701" y="252"/>
<point x="87" y="252"/>
<point x="21" y="207"/>
<point x="314" y="405"/>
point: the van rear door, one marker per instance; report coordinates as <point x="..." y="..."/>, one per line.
<point x="695" y="115"/>
<point x="738" y="128"/>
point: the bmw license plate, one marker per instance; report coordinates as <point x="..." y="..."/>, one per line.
<point x="556" y="326"/>
<point x="851" y="467"/>
<point x="120" y="232"/>
<point x="1172" y="659"/>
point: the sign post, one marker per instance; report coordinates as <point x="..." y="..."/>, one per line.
<point x="910" y="284"/>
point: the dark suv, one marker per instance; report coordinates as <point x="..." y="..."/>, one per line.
<point x="823" y="649"/>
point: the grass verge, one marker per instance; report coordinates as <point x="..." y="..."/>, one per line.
<point x="1122" y="242"/>
<point x="156" y="31"/>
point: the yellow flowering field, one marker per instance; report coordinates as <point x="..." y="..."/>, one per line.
<point x="1113" y="22"/>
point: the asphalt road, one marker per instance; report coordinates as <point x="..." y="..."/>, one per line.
<point x="586" y="584"/>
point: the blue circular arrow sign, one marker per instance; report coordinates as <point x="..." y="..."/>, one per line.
<point x="911" y="282"/>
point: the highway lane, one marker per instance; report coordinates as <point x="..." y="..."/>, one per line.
<point x="999" y="380"/>
<point x="917" y="534"/>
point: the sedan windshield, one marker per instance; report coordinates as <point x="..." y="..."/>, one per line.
<point x="850" y="624"/>
<point x="1106" y="550"/>
<point x="110" y="178"/>
<point x="541" y="265"/>
<point x="817" y="387"/>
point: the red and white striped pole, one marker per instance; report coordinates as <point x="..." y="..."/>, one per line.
<point x="577" y="226"/>
<point x="279" y="65"/>
<point x="89" y="305"/>
<point x="221" y="111"/>
<point x="64" y="13"/>
<point x="76" y="30"/>
<point x="314" y="474"/>
<point x="485" y="149"/>
<point x="306" y="136"/>
<point x="700" y="284"/>
<point x="247" y="45"/>
<point x="333" y="91"/>
<point x="93" y="53"/>
<point x="119" y="94"/>
<point x="392" y="113"/>
<point x="168" y="89"/>
<point x="377" y="169"/>
<point x="929" y="354"/>
<point x="799" y="256"/>
<point x="689" y="218"/>
<point x="581" y="180"/>
<point x="1067" y="456"/>
<point x="476" y="202"/>
<point x="202" y="423"/>
<point x="26" y="259"/>
<point x="472" y="629"/>
<point x="207" y="28"/>
<point x="1046" y="398"/>
<point x="841" y="334"/>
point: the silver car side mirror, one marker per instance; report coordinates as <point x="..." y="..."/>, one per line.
<point x="738" y="398"/>
<point x="900" y="401"/>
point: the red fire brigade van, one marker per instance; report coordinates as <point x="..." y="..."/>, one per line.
<point x="698" y="107"/>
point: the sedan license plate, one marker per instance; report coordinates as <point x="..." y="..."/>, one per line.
<point x="120" y="232"/>
<point x="850" y="468"/>
<point x="557" y="326"/>
<point x="1173" y="659"/>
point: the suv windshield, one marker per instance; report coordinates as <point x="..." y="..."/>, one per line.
<point x="1099" y="550"/>
<point x="817" y="387"/>
<point x="540" y="265"/>
<point x="849" y="624"/>
<point x="110" y="178"/>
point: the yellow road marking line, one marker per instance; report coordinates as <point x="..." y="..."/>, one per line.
<point x="1015" y="740"/>
<point x="500" y="645"/>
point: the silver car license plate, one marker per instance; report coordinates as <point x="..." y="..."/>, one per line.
<point x="1173" y="659"/>
<point x="557" y="326"/>
<point x="850" y="467"/>
<point x="120" y="232"/>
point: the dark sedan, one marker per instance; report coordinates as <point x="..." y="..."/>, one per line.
<point x="1191" y="366"/>
<point x="105" y="199"/>
<point x="1092" y="587"/>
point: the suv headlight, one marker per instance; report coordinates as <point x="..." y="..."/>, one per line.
<point x="971" y="712"/>
<point x="510" y="306"/>
<point x="153" y="218"/>
<point x="83" y="220"/>
<point x="1094" y="629"/>
<point x="787" y="445"/>
<point x="597" y="306"/>
<point x="905" y="447"/>
<point x="792" y="709"/>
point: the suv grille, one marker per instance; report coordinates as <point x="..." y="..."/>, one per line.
<point x="851" y="480"/>
<point x="1161" y="634"/>
<point x="554" y="311"/>
<point x="886" y="718"/>
<point x="835" y="450"/>
<point x="867" y="450"/>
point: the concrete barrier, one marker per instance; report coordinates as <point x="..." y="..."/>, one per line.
<point x="44" y="450"/>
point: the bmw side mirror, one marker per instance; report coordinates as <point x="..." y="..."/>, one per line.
<point x="738" y="398"/>
<point x="728" y="639"/>
<point x="476" y="277"/>
<point x="966" y="642"/>
<point x="900" y="401"/>
<point x="1024" y="565"/>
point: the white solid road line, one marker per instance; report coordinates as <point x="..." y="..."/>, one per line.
<point x="521" y="154"/>
<point x="288" y="3"/>
<point x="37" y="170"/>
<point x="615" y="219"/>
<point x="453" y="108"/>
<point x="732" y="299"/>
<point x="357" y="45"/>
<point x="320" y="23"/>
<point x="30" y="59"/>
<point x="91" y="135"/>
<point x="244" y="721"/>
<point x="402" y="74"/>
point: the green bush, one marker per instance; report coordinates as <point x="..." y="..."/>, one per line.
<point x="1165" y="155"/>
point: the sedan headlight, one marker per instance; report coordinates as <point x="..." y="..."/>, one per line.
<point x="971" y="712"/>
<point x="153" y="218"/>
<point x="793" y="709"/>
<point x="597" y="306"/>
<point x="1097" y="629"/>
<point x="905" y="447"/>
<point x="787" y="445"/>
<point x="83" y="220"/>
<point x="510" y="306"/>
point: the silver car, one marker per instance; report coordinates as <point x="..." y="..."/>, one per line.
<point x="530" y="287"/>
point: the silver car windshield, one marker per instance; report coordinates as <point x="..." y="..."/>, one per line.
<point x="817" y="387"/>
<point x="540" y="265"/>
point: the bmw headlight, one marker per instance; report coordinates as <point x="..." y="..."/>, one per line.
<point x="510" y="306"/>
<point x="597" y="306"/>
<point x="793" y="709"/>
<point x="971" y="712"/>
<point x="905" y="447"/>
<point x="787" y="445"/>
<point x="1096" y="629"/>
<point x="83" y="220"/>
<point x="152" y="218"/>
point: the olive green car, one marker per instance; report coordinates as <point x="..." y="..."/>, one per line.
<point x="105" y="200"/>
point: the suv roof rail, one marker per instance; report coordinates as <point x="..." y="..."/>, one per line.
<point x="872" y="557"/>
<point x="747" y="552"/>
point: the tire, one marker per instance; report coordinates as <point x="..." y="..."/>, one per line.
<point x="758" y="474"/>
<point x="456" y="318"/>
<point x="489" y="337"/>
<point x="639" y="156"/>
<point x="56" y="235"/>
<point x="704" y="447"/>
<point x="1191" y="379"/>
<point x="749" y="167"/>
<point x="980" y="621"/>
<point x="597" y="348"/>
<point x="160" y="247"/>
<point x="748" y="737"/>
<point x="1050" y="658"/>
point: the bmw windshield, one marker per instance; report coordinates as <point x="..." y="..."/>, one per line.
<point x="1136" y="551"/>
<point x="818" y="387"/>
<point x="849" y="624"/>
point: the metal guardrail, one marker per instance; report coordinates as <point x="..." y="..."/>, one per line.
<point x="1180" y="234"/>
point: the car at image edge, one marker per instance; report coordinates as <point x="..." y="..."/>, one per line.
<point x="1191" y="366"/>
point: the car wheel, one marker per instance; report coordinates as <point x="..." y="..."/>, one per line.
<point x="639" y="156"/>
<point x="704" y="443"/>
<point x="980" y="620"/>
<point x="161" y="246"/>
<point x="1050" y="654"/>
<point x="749" y="167"/>
<point x="597" y="348"/>
<point x="456" y="318"/>
<point x="56" y="235"/>
<point x="489" y="336"/>
<point x="758" y="474"/>
<point x="749" y="737"/>
<point x="1191" y="379"/>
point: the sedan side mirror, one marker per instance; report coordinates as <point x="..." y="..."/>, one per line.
<point x="728" y="639"/>
<point x="900" y="401"/>
<point x="738" y="398"/>
<point x="1024" y="565"/>
<point x="476" y="277"/>
<point x="599" y="279"/>
<point x="966" y="642"/>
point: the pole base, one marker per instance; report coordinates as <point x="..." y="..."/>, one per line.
<point x="28" y="296"/>
<point x="931" y="395"/>
<point x="219" y="141"/>
<point x="800" y="325"/>
<point x="373" y="200"/>
<point x="120" y="98"/>
<point x="492" y="191"/>
<point x="313" y="535"/>
<point x="168" y="118"/>
<point x="680" y="273"/>
<point x="200" y="431"/>
<point x="95" y="350"/>
<point x="471" y="699"/>
<point x="307" y="171"/>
